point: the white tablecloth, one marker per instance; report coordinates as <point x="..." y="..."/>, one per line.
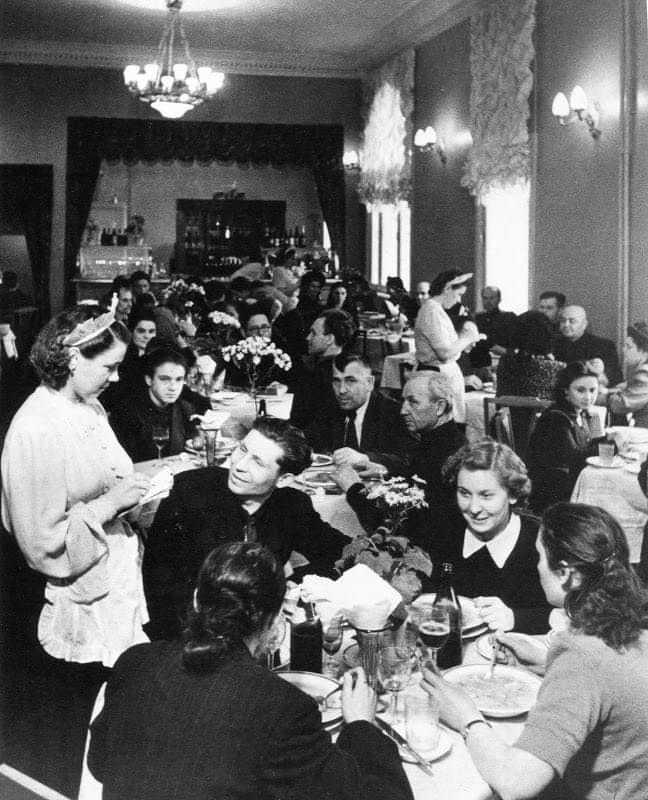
<point x="618" y="492"/>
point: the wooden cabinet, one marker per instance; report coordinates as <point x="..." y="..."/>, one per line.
<point x="212" y="234"/>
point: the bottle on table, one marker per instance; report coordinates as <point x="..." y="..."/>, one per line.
<point x="263" y="411"/>
<point x="451" y="654"/>
<point x="305" y="639"/>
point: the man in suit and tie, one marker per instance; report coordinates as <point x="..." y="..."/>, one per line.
<point x="365" y="429"/>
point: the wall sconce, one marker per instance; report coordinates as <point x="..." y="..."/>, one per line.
<point x="427" y="141"/>
<point x="351" y="161"/>
<point x="576" y="108"/>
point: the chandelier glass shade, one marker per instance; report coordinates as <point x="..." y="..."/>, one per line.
<point x="173" y="85"/>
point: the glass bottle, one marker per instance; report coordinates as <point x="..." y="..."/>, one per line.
<point x="305" y="639"/>
<point x="451" y="653"/>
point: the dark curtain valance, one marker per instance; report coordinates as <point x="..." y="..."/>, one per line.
<point x="26" y="209"/>
<point x="318" y="147"/>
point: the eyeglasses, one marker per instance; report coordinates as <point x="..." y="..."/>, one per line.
<point x="259" y="329"/>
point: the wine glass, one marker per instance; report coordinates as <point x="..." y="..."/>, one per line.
<point x="331" y="642"/>
<point x="160" y="438"/>
<point x="276" y="637"/>
<point x="433" y="630"/>
<point x="394" y="669"/>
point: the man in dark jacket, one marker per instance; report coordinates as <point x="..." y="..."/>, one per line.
<point x="157" y="404"/>
<point x="427" y="413"/>
<point x="364" y="427"/>
<point x="576" y="343"/>
<point x="252" y="501"/>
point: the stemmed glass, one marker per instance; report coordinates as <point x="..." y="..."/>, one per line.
<point x="433" y="629"/>
<point x="160" y="438"/>
<point x="276" y="637"/>
<point x="331" y="642"/>
<point x="394" y="669"/>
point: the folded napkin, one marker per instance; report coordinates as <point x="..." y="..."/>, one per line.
<point x="206" y="365"/>
<point x="365" y="599"/>
<point x="161" y="484"/>
<point x="211" y="420"/>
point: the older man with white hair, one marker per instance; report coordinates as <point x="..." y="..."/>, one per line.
<point x="576" y="343"/>
<point x="427" y="414"/>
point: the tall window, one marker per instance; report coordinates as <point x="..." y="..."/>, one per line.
<point x="507" y="244"/>
<point x="389" y="242"/>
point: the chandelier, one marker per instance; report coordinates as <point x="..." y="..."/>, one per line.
<point x="172" y="88"/>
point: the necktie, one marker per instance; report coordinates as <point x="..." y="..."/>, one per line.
<point x="249" y="530"/>
<point x="350" y="436"/>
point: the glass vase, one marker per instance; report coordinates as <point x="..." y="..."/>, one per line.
<point x="369" y="646"/>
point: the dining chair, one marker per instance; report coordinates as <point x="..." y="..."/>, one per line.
<point x="511" y="419"/>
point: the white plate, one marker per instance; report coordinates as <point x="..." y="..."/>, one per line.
<point x="517" y="687"/>
<point x="315" y="685"/>
<point x="321" y="460"/>
<point x="471" y="618"/>
<point x="595" y="461"/>
<point x="444" y="746"/>
<point x="316" y="479"/>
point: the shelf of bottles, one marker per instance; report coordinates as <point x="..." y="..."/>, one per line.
<point x="212" y="237"/>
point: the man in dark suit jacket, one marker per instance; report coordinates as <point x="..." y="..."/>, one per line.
<point x="427" y="413"/>
<point x="365" y="427"/>
<point x="251" y="501"/>
<point x="158" y="403"/>
<point x="576" y="343"/>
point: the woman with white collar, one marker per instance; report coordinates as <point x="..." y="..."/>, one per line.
<point x="491" y="547"/>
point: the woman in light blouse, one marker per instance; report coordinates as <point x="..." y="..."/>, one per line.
<point x="66" y="483"/>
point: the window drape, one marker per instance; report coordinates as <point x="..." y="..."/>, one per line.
<point x="26" y="208"/>
<point x="318" y="147"/>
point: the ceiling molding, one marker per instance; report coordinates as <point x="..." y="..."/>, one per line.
<point x="103" y="56"/>
<point x="419" y="25"/>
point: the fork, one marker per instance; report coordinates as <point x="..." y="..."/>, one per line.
<point x="496" y="649"/>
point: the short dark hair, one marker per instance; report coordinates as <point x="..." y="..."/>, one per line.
<point x="340" y="324"/>
<point x="639" y="335"/>
<point x="532" y="333"/>
<point x="565" y="378"/>
<point x="296" y="450"/>
<point x="487" y="454"/>
<point x="439" y="282"/>
<point x="559" y="297"/>
<point x="51" y="358"/>
<point x="611" y="602"/>
<point x="120" y="282"/>
<point x="139" y="275"/>
<point x="157" y="356"/>
<point x="240" y="588"/>
<point x="241" y="284"/>
<point x="141" y="313"/>
<point x="342" y="361"/>
<point x="312" y="275"/>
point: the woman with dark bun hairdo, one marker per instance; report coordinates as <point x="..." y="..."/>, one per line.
<point x="589" y="726"/>
<point x="203" y="719"/>
<point x="66" y="484"/>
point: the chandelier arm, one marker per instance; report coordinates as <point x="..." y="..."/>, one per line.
<point x="191" y="64"/>
<point x="171" y="38"/>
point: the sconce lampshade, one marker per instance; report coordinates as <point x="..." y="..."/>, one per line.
<point x="578" y="99"/>
<point x="560" y="106"/>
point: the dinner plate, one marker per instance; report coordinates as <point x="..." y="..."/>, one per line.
<point x="321" y="460"/>
<point x="316" y="479"/>
<point x="510" y="692"/>
<point x="472" y="621"/>
<point x="595" y="461"/>
<point x="315" y="685"/>
<point x="189" y="447"/>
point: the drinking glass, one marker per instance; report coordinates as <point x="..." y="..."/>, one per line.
<point x="422" y="723"/>
<point x="394" y="670"/>
<point x="331" y="643"/>
<point x="276" y="638"/>
<point x="433" y="630"/>
<point x="160" y="438"/>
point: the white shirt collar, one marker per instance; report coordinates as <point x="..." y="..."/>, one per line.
<point x="359" y="418"/>
<point x="499" y="547"/>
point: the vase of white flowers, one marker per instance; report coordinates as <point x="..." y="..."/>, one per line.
<point x="256" y="358"/>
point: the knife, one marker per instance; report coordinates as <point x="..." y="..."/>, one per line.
<point x="401" y="741"/>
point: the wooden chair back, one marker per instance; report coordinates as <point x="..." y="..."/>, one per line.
<point x="513" y="429"/>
